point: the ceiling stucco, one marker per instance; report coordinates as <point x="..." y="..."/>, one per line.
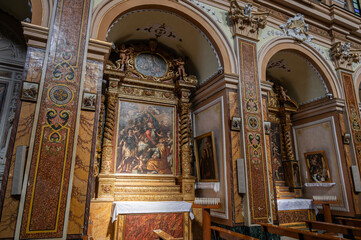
<point x="185" y="39"/>
<point x="302" y="81"/>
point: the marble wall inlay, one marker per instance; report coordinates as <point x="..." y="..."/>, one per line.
<point x="46" y="196"/>
<point x="258" y="188"/>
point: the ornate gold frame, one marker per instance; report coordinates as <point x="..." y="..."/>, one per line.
<point x="131" y="68"/>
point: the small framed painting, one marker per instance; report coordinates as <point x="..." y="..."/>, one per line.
<point x="89" y="101"/>
<point x="205" y="154"/>
<point x="317" y="167"/>
<point x="29" y="91"/>
<point x="236" y="124"/>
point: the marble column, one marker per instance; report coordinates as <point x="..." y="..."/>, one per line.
<point x="45" y="202"/>
<point x="245" y="27"/>
<point x="343" y="58"/>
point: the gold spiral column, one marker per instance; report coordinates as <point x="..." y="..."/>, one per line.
<point x="106" y="178"/>
<point x="187" y="180"/>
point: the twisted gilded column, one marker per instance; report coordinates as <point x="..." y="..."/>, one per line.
<point x="107" y="148"/>
<point x="187" y="180"/>
<point x="185" y="139"/>
<point x="99" y="137"/>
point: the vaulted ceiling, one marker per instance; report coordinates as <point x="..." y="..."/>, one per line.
<point x="294" y="72"/>
<point x="171" y="31"/>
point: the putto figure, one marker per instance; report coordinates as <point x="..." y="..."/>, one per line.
<point x="124" y="54"/>
<point x="179" y="63"/>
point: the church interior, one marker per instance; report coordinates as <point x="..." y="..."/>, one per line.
<point x="180" y="119"/>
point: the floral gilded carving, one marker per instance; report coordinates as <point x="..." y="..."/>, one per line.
<point x="344" y="56"/>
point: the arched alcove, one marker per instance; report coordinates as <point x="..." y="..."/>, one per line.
<point x="106" y="13"/>
<point x="310" y="55"/>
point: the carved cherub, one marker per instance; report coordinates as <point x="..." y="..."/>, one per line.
<point x="124" y="54"/>
<point x="180" y="64"/>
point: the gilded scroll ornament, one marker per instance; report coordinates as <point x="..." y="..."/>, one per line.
<point x="245" y="21"/>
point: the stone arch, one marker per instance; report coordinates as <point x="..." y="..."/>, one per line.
<point x="41" y="12"/>
<point x="357" y="80"/>
<point x="285" y="43"/>
<point x="108" y="11"/>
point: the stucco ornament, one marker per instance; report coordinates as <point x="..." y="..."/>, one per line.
<point x="245" y="20"/>
<point x="344" y="56"/>
<point x="296" y="28"/>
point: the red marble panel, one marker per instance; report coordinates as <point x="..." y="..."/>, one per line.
<point x="254" y="136"/>
<point x="52" y="152"/>
<point x="353" y="113"/>
<point x="294" y="216"/>
<point x="140" y="227"/>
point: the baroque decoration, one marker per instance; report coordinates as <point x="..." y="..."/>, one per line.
<point x="245" y="21"/>
<point x="147" y="130"/>
<point x="343" y="55"/>
<point x="296" y="28"/>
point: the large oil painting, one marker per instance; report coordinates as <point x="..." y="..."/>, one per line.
<point x="206" y="158"/>
<point x="317" y="167"/>
<point x="145" y="138"/>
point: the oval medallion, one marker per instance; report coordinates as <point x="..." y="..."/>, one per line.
<point x="151" y="65"/>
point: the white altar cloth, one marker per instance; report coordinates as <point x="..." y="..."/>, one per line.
<point x="129" y="207"/>
<point x="295" y="204"/>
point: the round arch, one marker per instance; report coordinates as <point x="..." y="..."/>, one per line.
<point x="108" y="11"/>
<point x="41" y="12"/>
<point x="357" y="80"/>
<point x="278" y="44"/>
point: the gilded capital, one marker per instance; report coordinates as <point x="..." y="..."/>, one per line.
<point x="343" y="56"/>
<point x="245" y="21"/>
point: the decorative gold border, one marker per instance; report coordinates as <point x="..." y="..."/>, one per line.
<point x="174" y="138"/>
<point x="326" y="163"/>
<point x="197" y="157"/>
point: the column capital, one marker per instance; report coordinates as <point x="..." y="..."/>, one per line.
<point x="35" y="35"/>
<point x="343" y="56"/>
<point x="246" y="22"/>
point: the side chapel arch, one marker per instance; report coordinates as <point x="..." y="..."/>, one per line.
<point x="41" y="12"/>
<point x="278" y="44"/>
<point x="108" y="11"/>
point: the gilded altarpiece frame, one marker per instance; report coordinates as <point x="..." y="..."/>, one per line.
<point x="154" y="109"/>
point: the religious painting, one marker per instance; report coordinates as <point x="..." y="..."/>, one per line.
<point x="205" y="154"/>
<point x="89" y="101"/>
<point x="29" y="91"/>
<point x="151" y="64"/>
<point x="317" y="167"/>
<point x="146" y="138"/>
